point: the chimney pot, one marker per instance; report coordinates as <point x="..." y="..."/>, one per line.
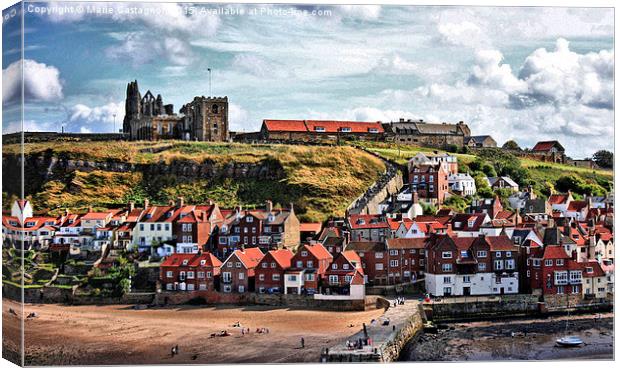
<point x="180" y="202"/>
<point x="146" y="203"/>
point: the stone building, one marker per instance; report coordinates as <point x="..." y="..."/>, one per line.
<point x="421" y="133"/>
<point x="147" y="118"/>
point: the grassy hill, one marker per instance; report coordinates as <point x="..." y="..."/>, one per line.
<point x="320" y="181"/>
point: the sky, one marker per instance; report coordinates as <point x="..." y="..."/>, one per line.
<point x="528" y="73"/>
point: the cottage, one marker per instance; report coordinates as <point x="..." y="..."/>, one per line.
<point x="270" y="271"/>
<point x="502" y="182"/>
<point x="480" y="141"/>
<point x="342" y="274"/>
<point x="238" y="270"/>
<point x="549" y="151"/>
<point x="308" y="266"/>
<point x="462" y="184"/>
<point x="189" y="272"/>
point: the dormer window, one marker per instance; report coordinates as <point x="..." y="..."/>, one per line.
<point x="185" y="261"/>
<point x="589" y="270"/>
<point x="361" y="221"/>
<point x="271" y="218"/>
<point x="249" y="219"/>
<point x="29" y="224"/>
<point x="373" y="130"/>
<point x="203" y="262"/>
<point x="345" y="129"/>
<point x="319" y="129"/>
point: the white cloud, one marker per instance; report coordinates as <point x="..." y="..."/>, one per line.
<point x="237" y="117"/>
<point x="566" y="77"/>
<point x="488" y="71"/>
<point x="28" y="126"/>
<point x="460" y="34"/>
<point x="395" y="64"/>
<point x="141" y="48"/>
<point x="41" y="82"/>
<point x="365" y="12"/>
<point x="253" y="64"/>
<point x="98" y="118"/>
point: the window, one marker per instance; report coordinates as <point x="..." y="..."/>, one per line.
<point x="393" y="252"/>
<point x="226" y="277"/>
<point x="241" y="275"/>
<point x="498" y="265"/>
<point x="379" y="266"/>
<point x="510" y="264"/>
<point x="273" y="265"/>
<point x="575" y="277"/>
<point x="230" y="264"/>
<point x="447" y="279"/>
<point x="264" y="265"/>
<point x="548" y="262"/>
<point x="241" y="289"/>
<point x="345" y="129"/>
<point x="560" y="289"/>
<point x="466" y="279"/>
<point x="575" y="289"/>
<point x="446" y="255"/>
<point x="300" y="264"/>
<point x="345" y="266"/>
<point x="238" y="264"/>
<point x="168" y="274"/>
<point x="190" y="274"/>
<point x="334" y="266"/>
<point x="158" y="227"/>
<point x="481" y="254"/>
<point x="223" y="240"/>
<point x="393" y="263"/>
<point x="447" y="291"/>
<point x="446" y="267"/>
<point x="378" y="255"/>
<point x="528" y="273"/>
<point x="498" y="254"/>
<point x="333" y="279"/>
<point x="190" y="287"/>
<point x="309" y="264"/>
<point x="275" y="277"/>
<point x="319" y="129"/>
<point x="482" y="266"/>
<point x="168" y="286"/>
<point x="208" y="274"/>
<point x="561" y="277"/>
<point x="508" y="254"/>
<point x="304" y="253"/>
<point x="412" y="251"/>
<point x="347" y="279"/>
<point x="559" y="262"/>
<point x="249" y="219"/>
<point x="261" y="277"/>
<point x="201" y="274"/>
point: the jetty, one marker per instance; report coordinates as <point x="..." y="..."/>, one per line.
<point x="383" y="339"/>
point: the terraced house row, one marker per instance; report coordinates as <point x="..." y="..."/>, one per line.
<point x="562" y="248"/>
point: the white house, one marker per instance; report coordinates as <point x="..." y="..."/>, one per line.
<point x="462" y="183"/>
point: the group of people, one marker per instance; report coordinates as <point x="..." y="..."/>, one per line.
<point x="358" y="344"/>
<point x="399" y="301"/>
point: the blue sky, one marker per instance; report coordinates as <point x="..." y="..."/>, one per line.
<point x="516" y="73"/>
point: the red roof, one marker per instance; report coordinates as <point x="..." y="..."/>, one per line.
<point x="501" y="242"/>
<point x="319" y="251"/>
<point x="554" y="252"/>
<point x="285" y="125"/>
<point x="96" y="216"/>
<point x="577" y="205"/>
<point x="282" y="257"/>
<point x="558" y="198"/>
<point x="250" y="257"/>
<point x="546" y="145"/>
<point x="333" y="126"/>
<point x="406" y="243"/>
<point x="328" y="126"/>
<point x="367" y="222"/>
<point x="596" y="269"/>
<point x="310" y="227"/>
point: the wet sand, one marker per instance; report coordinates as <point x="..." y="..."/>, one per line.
<point x="534" y="340"/>
<point x="86" y="335"/>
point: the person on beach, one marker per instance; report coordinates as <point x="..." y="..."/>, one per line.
<point x="303" y="343"/>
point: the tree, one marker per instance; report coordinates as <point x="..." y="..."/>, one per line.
<point x="511" y="145"/>
<point x="604" y="159"/>
<point x="453" y="148"/>
<point x="457" y="203"/>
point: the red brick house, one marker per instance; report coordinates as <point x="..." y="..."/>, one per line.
<point x="269" y="273"/>
<point x="405" y="259"/>
<point x="341" y="272"/>
<point x="374" y="260"/>
<point x="553" y="272"/>
<point x="308" y="267"/>
<point x="430" y="181"/>
<point x="189" y="272"/>
<point x="238" y="270"/>
<point x="194" y="227"/>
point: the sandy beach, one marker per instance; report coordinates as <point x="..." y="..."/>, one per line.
<point x="119" y="334"/>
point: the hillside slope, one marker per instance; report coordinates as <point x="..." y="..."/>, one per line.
<point x="319" y="181"/>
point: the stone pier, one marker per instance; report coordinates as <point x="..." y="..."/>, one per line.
<point x="386" y="341"/>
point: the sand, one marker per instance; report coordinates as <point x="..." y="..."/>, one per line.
<point x="119" y="334"/>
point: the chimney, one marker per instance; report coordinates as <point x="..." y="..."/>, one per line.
<point x="171" y="203"/>
<point x="146" y="203"/>
<point x="90" y="208"/>
<point x="238" y="210"/>
<point x="210" y="202"/>
<point x="132" y="205"/>
<point x="180" y="202"/>
<point x="269" y="206"/>
<point x="66" y="212"/>
<point x="292" y="207"/>
<point x="402" y="120"/>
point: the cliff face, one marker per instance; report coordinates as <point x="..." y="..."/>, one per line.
<point x="41" y="167"/>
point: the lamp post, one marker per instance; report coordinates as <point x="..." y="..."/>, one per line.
<point x="210" y="92"/>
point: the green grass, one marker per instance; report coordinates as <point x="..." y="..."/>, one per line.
<point x="401" y="154"/>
